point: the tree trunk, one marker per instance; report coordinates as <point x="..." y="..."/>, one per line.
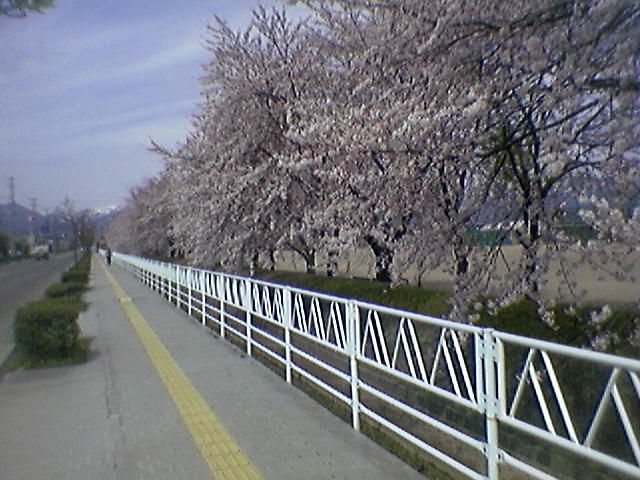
<point x="332" y="263"/>
<point x="383" y="257"/>
<point x="253" y="263"/>
<point x="309" y="257"/>
<point x="460" y="256"/>
<point x="530" y="270"/>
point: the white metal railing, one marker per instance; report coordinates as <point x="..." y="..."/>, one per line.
<point x="391" y="366"/>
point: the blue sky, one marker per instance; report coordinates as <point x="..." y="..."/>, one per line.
<point x="86" y="84"/>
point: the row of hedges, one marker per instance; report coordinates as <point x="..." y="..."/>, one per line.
<point x="47" y="330"/>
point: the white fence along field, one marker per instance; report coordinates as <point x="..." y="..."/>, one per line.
<point x="487" y="404"/>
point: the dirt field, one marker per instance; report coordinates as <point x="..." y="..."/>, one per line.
<point x="598" y="286"/>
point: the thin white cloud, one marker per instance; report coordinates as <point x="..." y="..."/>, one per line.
<point x="188" y="51"/>
<point x="56" y="80"/>
<point x="164" y="124"/>
<point x="84" y="86"/>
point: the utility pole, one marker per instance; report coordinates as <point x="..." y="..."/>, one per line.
<point x="12" y="190"/>
<point x="32" y="218"/>
<point x="12" y="204"/>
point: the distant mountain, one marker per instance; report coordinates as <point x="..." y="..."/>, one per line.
<point x="103" y="211"/>
<point x="18" y="220"/>
<point x="102" y="218"/>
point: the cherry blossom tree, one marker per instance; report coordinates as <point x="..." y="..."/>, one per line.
<point x="352" y="123"/>
<point x="250" y="182"/>
<point x="20" y="8"/>
<point x="142" y="227"/>
<point x="513" y="110"/>
<point x="408" y="126"/>
<point x="561" y="121"/>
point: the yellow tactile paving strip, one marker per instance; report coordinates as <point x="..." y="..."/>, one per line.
<point x="223" y="456"/>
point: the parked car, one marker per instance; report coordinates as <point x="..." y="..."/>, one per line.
<point x="40" y="252"/>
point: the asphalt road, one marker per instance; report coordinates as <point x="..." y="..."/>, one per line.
<point x="21" y="282"/>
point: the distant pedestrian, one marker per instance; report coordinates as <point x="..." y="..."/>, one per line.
<point x="108" y="256"/>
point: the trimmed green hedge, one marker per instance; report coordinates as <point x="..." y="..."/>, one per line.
<point x="68" y="289"/>
<point x="76" y="276"/>
<point x="48" y="328"/>
<point x="84" y="263"/>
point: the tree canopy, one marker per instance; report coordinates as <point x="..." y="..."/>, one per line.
<point x="412" y="128"/>
<point x="20" y="8"/>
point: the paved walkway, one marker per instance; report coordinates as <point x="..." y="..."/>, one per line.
<point x="160" y="398"/>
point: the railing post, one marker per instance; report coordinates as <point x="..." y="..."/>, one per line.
<point x="177" y="290"/>
<point x="167" y="279"/>
<point x="491" y="402"/>
<point x="248" y="305"/>
<point x="353" y="327"/>
<point x="203" y="303"/>
<point x="288" y="320"/>
<point x="223" y="291"/>
<point x="189" y="289"/>
<point x="177" y="285"/>
<point x="164" y="282"/>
